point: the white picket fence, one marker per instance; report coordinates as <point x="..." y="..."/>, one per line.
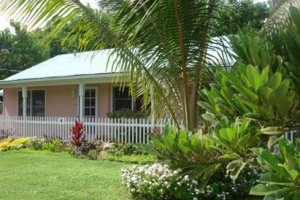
<point x="105" y="129"/>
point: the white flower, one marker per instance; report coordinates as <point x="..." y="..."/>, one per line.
<point x="186" y="178"/>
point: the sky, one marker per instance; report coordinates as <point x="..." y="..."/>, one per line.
<point x="4" y="19"/>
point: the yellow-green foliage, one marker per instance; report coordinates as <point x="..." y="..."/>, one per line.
<point x="9" y="143"/>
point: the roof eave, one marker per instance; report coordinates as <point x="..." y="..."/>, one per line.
<point x="64" y="80"/>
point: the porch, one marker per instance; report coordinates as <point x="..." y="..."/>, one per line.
<point x="106" y="129"/>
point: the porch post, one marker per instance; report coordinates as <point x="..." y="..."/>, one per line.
<point x="81" y="101"/>
<point x="152" y="110"/>
<point x="24" y="97"/>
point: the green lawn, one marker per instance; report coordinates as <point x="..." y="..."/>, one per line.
<point x="44" y="175"/>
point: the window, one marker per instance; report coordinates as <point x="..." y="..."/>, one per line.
<point x="123" y="100"/>
<point x="90" y="102"/>
<point x="35" y="103"/>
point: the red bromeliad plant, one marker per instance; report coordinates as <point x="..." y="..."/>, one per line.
<point x="78" y="133"/>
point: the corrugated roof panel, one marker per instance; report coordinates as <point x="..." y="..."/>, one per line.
<point x="90" y="62"/>
<point x="96" y="62"/>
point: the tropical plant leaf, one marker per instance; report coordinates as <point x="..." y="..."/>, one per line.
<point x="269" y="159"/>
<point x="271" y="130"/>
<point x="274" y="178"/>
<point x="262" y="190"/>
<point x="234" y="168"/>
<point x="293" y="195"/>
<point x="272" y="141"/>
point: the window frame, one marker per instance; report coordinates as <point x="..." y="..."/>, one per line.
<point x="133" y="102"/>
<point x="96" y="101"/>
<point x="29" y="102"/>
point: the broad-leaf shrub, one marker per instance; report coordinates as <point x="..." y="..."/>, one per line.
<point x="228" y="146"/>
<point x="258" y="94"/>
<point x="250" y="47"/>
<point x="282" y="177"/>
<point x="193" y="153"/>
<point x="53" y="145"/>
<point x="234" y="141"/>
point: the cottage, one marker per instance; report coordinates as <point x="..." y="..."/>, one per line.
<point x="45" y="99"/>
<point x="48" y="97"/>
<point x="77" y="84"/>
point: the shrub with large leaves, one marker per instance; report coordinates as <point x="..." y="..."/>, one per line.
<point x="282" y="177"/>
<point x="234" y="141"/>
<point x="193" y="153"/>
<point x="252" y="48"/>
<point x="257" y="94"/>
<point x="202" y="155"/>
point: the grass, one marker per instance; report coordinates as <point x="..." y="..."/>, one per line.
<point x="43" y="175"/>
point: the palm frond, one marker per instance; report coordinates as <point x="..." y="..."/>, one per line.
<point x="161" y="45"/>
<point x="172" y="43"/>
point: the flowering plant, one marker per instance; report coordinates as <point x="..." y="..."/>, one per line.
<point x="160" y="182"/>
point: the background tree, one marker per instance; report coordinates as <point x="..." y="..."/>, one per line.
<point x="20" y="51"/>
<point x="57" y="45"/>
<point x="68" y="39"/>
<point x="237" y="14"/>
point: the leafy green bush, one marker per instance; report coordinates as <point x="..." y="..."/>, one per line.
<point x="257" y="94"/>
<point x="193" y="153"/>
<point x="36" y="143"/>
<point x="83" y="149"/>
<point x="53" y="145"/>
<point x="116" y="148"/>
<point x="282" y="177"/>
<point x="126" y="113"/>
<point x="138" y="159"/>
<point x="93" y="154"/>
<point x="234" y="141"/>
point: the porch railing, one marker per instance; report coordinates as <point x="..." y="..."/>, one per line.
<point x="105" y="129"/>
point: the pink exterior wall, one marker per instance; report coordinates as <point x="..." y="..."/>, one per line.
<point x="104" y="99"/>
<point x="10" y="102"/>
<point x="61" y="101"/>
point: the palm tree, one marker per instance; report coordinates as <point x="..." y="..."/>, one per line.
<point x="278" y="18"/>
<point x="161" y="44"/>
